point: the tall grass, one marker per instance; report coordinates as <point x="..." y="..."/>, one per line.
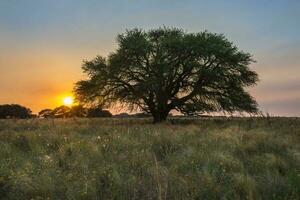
<point x="240" y="158"/>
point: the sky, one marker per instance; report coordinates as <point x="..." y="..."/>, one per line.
<point x="43" y="42"/>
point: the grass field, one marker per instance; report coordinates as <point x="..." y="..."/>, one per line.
<point x="133" y="159"/>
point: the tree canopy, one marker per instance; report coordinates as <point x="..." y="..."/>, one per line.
<point x="74" y="111"/>
<point x="97" y="112"/>
<point x="14" y="111"/>
<point x="163" y="69"/>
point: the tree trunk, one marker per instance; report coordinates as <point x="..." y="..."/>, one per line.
<point x="159" y="117"/>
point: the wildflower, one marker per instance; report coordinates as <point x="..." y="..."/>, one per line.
<point x="47" y="158"/>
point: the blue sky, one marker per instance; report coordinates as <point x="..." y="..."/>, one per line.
<point x="44" y="41"/>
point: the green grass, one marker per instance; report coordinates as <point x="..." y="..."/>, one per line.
<point x="133" y="159"/>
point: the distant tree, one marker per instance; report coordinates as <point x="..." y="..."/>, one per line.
<point x="14" y="111"/>
<point x="78" y="111"/>
<point x="141" y="115"/>
<point x="163" y="69"/>
<point x="33" y="116"/>
<point x="46" y="113"/>
<point x="98" y="112"/>
<point x="122" y="115"/>
<point x="62" y="112"/>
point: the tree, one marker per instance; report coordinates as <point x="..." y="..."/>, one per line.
<point x="122" y="115"/>
<point x="98" y="112"/>
<point x="78" y="111"/>
<point x="46" y="113"/>
<point x="61" y="112"/>
<point x="163" y="69"/>
<point x="14" y="111"/>
<point x="64" y="112"/>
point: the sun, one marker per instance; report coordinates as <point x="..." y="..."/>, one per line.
<point x="68" y="101"/>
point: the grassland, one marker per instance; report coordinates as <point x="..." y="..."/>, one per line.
<point x="133" y="159"/>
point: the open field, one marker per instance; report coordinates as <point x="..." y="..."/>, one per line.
<point x="133" y="159"/>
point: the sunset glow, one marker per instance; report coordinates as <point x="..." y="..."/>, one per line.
<point x="43" y="43"/>
<point x="68" y="101"/>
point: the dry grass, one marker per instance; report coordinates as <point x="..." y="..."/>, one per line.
<point x="133" y="159"/>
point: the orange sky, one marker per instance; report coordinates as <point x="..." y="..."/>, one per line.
<point x="42" y="77"/>
<point x="39" y="79"/>
<point x="43" y="43"/>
